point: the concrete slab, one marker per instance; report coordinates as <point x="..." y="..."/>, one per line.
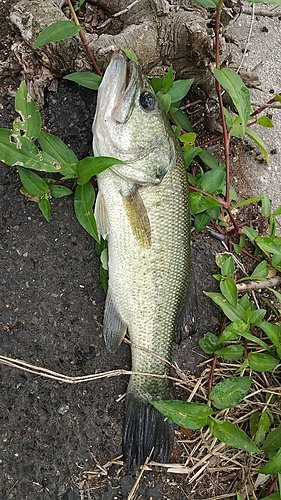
<point x="258" y="32"/>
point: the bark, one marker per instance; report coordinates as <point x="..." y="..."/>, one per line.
<point x="160" y="32"/>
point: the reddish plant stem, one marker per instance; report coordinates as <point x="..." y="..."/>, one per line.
<point x="235" y="224"/>
<point x="272" y="486"/>
<point x="262" y="108"/>
<point x="210" y="141"/>
<point x="83" y="38"/>
<point x="260" y="219"/>
<point x="176" y="122"/>
<point x="247" y="253"/>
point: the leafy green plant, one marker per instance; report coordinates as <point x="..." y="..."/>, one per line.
<point x="248" y="336"/>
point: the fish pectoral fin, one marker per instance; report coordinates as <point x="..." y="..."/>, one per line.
<point x="114" y="328"/>
<point x="186" y="323"/>
<point x="137" y="216"/>
<point x="101" y="216"/>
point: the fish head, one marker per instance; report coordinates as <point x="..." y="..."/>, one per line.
<point x="131" y="125"/>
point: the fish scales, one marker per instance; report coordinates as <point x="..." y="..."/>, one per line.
<point x="143" y="210"/>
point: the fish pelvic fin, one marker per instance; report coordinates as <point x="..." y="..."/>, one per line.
<point x="101" y="216"/>
<point x="146" y="433"/>
<point x="186" y="322"/>
<point x="114" y="328"/>
<point x="137" y="216"/>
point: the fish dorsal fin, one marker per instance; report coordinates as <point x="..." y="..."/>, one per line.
<point x="114" y="328"/>
<point x="101" y="216"/>
<point x="137" y="216"/>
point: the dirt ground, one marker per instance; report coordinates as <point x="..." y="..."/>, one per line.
<point x="55" y="437"/>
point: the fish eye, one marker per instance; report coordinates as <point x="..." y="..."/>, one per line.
<point x="147" y="100"/>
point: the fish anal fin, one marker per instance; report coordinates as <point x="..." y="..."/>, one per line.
<point x="101" y="216"/>
<point x="137" y="216"/>
<point x="114" y="328"/>
<point x="186" y="323"/>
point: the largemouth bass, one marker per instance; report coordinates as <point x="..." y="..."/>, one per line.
<point x="142" y="209"/>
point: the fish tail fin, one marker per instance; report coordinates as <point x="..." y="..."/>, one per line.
<point x="146" y="429"/>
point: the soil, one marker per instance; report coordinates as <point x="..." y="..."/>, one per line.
<point x="55" y="437"/>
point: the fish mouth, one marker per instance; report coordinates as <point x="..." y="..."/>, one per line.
<point x="119" y="86"/>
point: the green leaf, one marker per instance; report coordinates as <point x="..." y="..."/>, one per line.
<point x="234" y="331"/>
<point x="210" y="4"/>
<point x="261" y="271"/>
<point x="238" y="496"/>
<point x="231" y="352"/>
<point x="230" y="434"/>
<point x="272" y="226"/>
<point x="45" y="208"/>
<point x="277" y="294"/>
<point x="83" y="205"/>
<point x="263" y="427"/>
<point x="256" y="340"/>
<point x="250" y="233"/>
<point x="56" y="32"/>
<point x="265" y="121"/>
<point x="256" y="316"/>
<point x="59" y="191"/>
<point x="200" y="203"/>
<point x="179" y="89"/>
<point x="168" y="81"/>
<point x="229" y="290"/>
<point x="104" y="278"/>
<point x="157" y="84"/>
<point x="268" y="245"/>
<point x="208" y="159"/>
<point x="228" y="267"/>
<point x="188" y="138"/>
<point x="245" y="202"/>
<point x="56" y="148"/>
<point x="185" y="414"/>
<point x="254" y="423"/>
<point x="18" y="150"/>
<point x="85" y="79"/>
<point x="212" y="180"/>
<point x="273" y="332"/>
<point x="130" y="55"/>
<point x="33" y="183"/>
<point x="90" y="166"/>
<point x="189" y="155"/>
<point x="233" y="313"/>
<point x="238" y="92"/>
<point x="272" y="466"/>
<point x="262" y="362"/>
<point x="273" y="440"/>
<point x="230" y="392"/>
<point x="267" y="2"/>
<point x="209" y="343"/>
<point x="229" y="118"/>
<point x="183" y="120"/>
<point x="201" y="221"/>
<point x="266" y="205"/>
<point x="237" y="128"/>
<point x="272" y="496"/>
<point x="29" y="121"/>
<point x="259" y="142"/>
<point x="221" y="258"/>
<point x="277" y="211"/>
<point x="176" y="130"/>
<point x="165" y="100"/>
<point x="244" y="301"/>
